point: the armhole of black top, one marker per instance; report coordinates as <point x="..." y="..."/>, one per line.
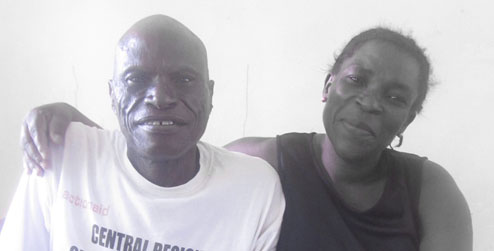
<point x="414" y="179"/>
<point x="279" y="156"/>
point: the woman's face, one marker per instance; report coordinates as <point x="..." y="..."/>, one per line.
<point x="370" y="100"/>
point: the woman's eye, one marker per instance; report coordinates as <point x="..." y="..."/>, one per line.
<point x="356" y="79"/>
<point x="398" y="100"/>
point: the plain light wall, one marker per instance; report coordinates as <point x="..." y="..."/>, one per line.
<point x="268" y="59"/>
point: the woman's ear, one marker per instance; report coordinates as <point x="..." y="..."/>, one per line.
<point x="409" y="120"/>
<point x="327" y="83"/>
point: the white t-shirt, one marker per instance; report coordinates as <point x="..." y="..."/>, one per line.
<point x="95" y="200"/>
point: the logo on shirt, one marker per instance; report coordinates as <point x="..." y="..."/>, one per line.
<point x="114" y="240"/>
<point x="75" y="200"/>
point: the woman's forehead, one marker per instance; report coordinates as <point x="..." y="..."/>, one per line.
<point x="381" y="57"/>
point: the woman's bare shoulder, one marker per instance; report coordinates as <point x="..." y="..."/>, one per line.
<point x="444" y="213"/>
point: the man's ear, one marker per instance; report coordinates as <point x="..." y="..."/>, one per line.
<point x="327" y="84"/>
<point x="110" y="92"/>
<point x="210" y="86"/>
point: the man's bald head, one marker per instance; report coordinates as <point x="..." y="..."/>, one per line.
<point x="160" y="29"/>
<point x="161" y="91"/>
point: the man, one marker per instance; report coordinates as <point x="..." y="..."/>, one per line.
<point x="152" y="186"/>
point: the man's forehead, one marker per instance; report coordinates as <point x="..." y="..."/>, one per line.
<point x="160" y="41"/>
<point x="158" y="30"/>
<point x="157" y="49"/>
<point x="158" y="56"/>
<point x="128" y="45"/>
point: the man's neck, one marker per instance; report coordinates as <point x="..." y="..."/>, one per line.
<point x="169" y="172"/>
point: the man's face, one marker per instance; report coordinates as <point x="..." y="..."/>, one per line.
<point x="161" y="93"/>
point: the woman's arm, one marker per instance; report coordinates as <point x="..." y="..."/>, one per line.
<point x="444" y="213"/>
<point x="264" y="148"/>
<point x="45" y="125"/>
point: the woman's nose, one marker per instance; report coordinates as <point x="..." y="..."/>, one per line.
<point x="369" y="102"/>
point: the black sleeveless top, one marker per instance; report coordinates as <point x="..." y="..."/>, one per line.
<point x="317" y="219"/>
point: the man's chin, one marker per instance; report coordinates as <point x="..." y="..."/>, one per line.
<point x="161" y="147"/>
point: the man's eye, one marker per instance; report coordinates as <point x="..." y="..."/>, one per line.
<point x="135" y="80"/>
<point x="184" y="79"/>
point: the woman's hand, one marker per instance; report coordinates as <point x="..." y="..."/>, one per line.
<point x="43" y="127"/>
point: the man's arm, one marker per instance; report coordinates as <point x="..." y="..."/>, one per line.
<point x="444" y="213"/>
<point x="25" y="226"/>
<point x="28" y="221"/>
<point x="44" y="126"/>
<point x="269" y="231"/>
<point x="264" y="148"/>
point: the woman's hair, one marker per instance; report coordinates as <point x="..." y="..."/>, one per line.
<point x="405" y="43"/>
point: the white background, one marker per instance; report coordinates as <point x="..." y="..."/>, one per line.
<point x="268" y="59"/>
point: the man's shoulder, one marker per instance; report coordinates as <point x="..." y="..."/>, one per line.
<point x="78" y="129"/>
<point x="78" y="133"/>
<point x="84" y="142"/>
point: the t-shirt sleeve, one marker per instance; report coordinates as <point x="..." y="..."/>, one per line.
<point x="28" y="219"/>
<point x="270" y="229"/>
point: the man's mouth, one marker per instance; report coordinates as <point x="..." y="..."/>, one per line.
<point x="159" y="123"/>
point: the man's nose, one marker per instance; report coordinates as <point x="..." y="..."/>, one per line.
<point x="161" y="95"/>
<point x="370" y="102"/>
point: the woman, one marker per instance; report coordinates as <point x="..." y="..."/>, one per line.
<point x="346" y="190"/>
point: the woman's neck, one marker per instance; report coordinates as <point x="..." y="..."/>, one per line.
<point x="347" y="171"/>
<point x="359" y="184"/>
